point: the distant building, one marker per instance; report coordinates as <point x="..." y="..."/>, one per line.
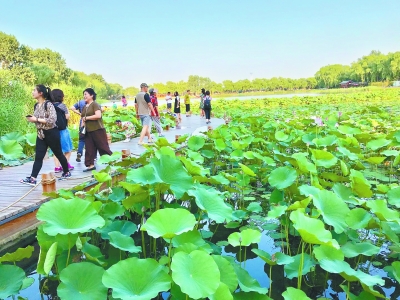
<point x="348" y="83"/>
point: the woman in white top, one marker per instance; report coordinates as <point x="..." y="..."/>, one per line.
<point x="168" y="99"/>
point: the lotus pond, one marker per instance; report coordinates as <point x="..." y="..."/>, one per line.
<point x="304" y="193"/>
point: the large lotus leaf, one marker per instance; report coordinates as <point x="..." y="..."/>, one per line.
<point x="123" y="242"/>
<point x="31" y="138"/>
<point x="247" y="170"/>
<point x="332" y="209"/>
<point x="117" y="195"/>
<point x="18" y="255"/>
<point x="391" y="229"/>
<point x="352" y="249"/>
<point x="396" y="270"/>
<point x="10" y="150"/>
<point x="210" y="200"/>
<point x="390" y="152"/>
<point x="294" y="294"/>
<point x="50" y="258"/>
<point x="394" y="197"/>
<point x="347" y="153"/>
<point x="282" y="177"/>
<point x="194" y="237"/>
<point x="196" y="273"/>
<point x="244" y="238"/>
<point x="281" y="136"/>
<point x="195" y="156"/>
<point x="344" y="129"/>
<point x="222" y="293"/>
<point x="377" y="144"/>
<point x="381" y="210"/>
<point x="149" y="279"/>
<point x="171" y="171"/>
<point x="144" y="175"/>
<point x="292" y="269"/>
<point x="250" y="295"/>
<point x="327" y="252"/>
<point x="82" y="281"/>
<point x="68" y="216"/>
<point x="165" y="151"/>
<point x="375" y="160"/>
<point x="362" y="296"/>
<point x="359" y="184"/>
<point x="345" y="193"/>
<point x="219" y="144"/>
<point x="304" y="165"/>
<point x="265" y="256"/>
<point x="276" y="212"/>
<point x="194" y="168"/>
<point x="169" y="222"/>
<point x="328" y="140"/>
<point x="93" y="253"/>
<point x="312" y="230"/>
<point x="125" y="227"/>
<point x="101" y="176"/>
<point x="228" y="275"/>
<point x="196" y="142"/>
<point x="358" y="218"/>
<point x="13" y="136"/>
<point x="11" y="279"/>
<point x="112" y="210"/>
<point x="106" y="159"/>
<point x="343" y="268"/>
<point x="248" y="283"/>
<point x="323" y="158"/>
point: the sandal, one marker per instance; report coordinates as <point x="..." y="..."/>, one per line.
<point x="89" y="169"/>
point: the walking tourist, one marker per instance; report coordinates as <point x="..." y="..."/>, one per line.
<point x="66" y="142"/>
<point x="202" y="95"/>
<point x="124" y="101"/>
<point x="143" y="109"/>
<point x="48" y="136"/>
<point x="207" y="107"/>
<point x="127" y="128"/>
<point x="168" y="100"/>
<point x="95" y="133"/>
<point x="177" y="107"/>
<point x="77" y="108"/>
<point x="187" y="103"/>
<point x="155" y="118"/>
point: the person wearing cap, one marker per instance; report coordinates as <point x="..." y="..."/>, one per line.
<point x="155" y="118"/>
<point x="127" y="128"/>
<point x="143" y="109"/>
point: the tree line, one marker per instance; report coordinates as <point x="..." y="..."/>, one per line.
<point x="31" y="66"/>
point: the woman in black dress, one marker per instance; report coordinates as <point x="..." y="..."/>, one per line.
<point x="177" y="107"/>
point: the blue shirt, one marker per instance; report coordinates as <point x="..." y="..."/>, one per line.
<point x="80" y="105"/>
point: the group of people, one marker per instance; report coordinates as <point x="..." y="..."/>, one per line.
<point x="92" y="134"/>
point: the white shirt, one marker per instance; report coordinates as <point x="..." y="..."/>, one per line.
<point x="168" y="99"/>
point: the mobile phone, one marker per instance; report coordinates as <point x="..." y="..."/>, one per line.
<point x="29" y="116"/>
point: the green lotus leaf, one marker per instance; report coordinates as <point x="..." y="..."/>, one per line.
<point x="300" y="204"/>
<point x="323" y="158"/>
<point x="196" y="142"/>
<point x="179" y="180"/>
<point x="344" y="168"/>
<point x="292" y="269"/>
<point x="195" y="156"/>
<point x="149" y="279"/>
<point x="31" y="138"/>
<point x="82" y="281"/>
<point x="362" y="296"/>
<point x="265" y="256"/>
<point x="250" y="295"/>
<point x="68" y="216"/>
<point x="18" y="255"/>
<point x="125" y="227"/>
<point x="326" y="141"/>
<point x="396" y="270"/>
<point x="344" y="269"/>
<point x="244" y="238"/>
<point x="106" y="159"/>
<point x="11" y="280"/>
<point x="344" y="129"/>
<point x="211" y="201"/>
<point x="304" y="165"/>
<point x="194" y="237"/>
<point x="112" y="210"/>
<point x="144" y="175"/>
<point x="390" y="229"/>
<point x="381" y="210"/>
<point x="169" y="222"/>
<point x="117" y="195"/>
<point x="222" y="293"/>
<point x="345" y="193"/>
<point x="352" y="249"/>
<point x="165" y="151"/>
<point x="254" y="207"/>
<point x="27" y="282"/>
<point x="50" y="258"/>
<point x="247" y="170"/>
<point x="276" y="212"/>
<point x="359" y="184"/>
<point x="294" y="294"/>
<point x="248" y="283"/>
<point x="347" y="153"/>
<point x="228" y="275"/>
<point x="16" y="136"/>
<point x="221" y="179"/>
<point x="123" y="242"/>
<point x="194" y="168"/>
<point x="196" y="273"/>
<point x="375" y="160"/>
<point x="390" y="152"/>
<point x="308" y="190"/>
<point x="358" y="218"/>
<point x="377" y="144"/>
<point x="332" y="209"/>
<point x="281" y="136"/>
<point x="312" y="230"/>
<point x="282" y="177"/>
<point x="219" y="144"/>
<point x="327" y="252"/>
<point x="394" y="197"/>
<point x="93" y="253"/>
<point x="10" y="150"/>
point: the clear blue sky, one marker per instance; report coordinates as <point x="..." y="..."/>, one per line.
<point x="130" y="41"/>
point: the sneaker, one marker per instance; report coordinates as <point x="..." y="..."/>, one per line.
<point x="58" y="169"/>
<point x="29" y="181"/>
<point x="126" y="141"/>
<point x="141" y="143"/>
<point x="65" y="176"/>
<point x="78" y="157"/>
<point x="70" y="167"/>
<point x="150" y="141"/>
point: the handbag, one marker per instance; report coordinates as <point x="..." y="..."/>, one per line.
<point x="82" y="130"/>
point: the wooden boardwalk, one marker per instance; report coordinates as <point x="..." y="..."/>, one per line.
<point x="12" y="190"/>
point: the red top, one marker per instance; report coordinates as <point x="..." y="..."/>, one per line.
<point x="154" y="101"/>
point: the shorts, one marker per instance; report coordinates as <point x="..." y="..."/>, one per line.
<point x="169" y="105"/>
<point x="187" y="107"/>
<point x="145" y="119"/>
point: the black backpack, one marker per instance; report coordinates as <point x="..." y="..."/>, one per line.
<point x="207" y="103"/>
<point x="61" y="121"/>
